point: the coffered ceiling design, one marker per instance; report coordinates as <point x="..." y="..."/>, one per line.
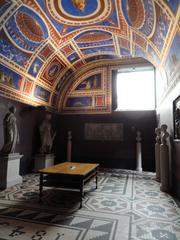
<point x="44" y="43"/>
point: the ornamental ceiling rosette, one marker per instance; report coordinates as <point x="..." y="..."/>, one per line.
<point x="93" y="36"/>
<point x="79" y="12"/>
<point x="26" y="29"/>
<point x="139" y="14"/>
<point x="133" y="12"/>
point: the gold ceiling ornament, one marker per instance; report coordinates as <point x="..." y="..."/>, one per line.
<point x="79" y="4"/>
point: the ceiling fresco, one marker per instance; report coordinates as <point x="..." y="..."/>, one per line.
<point x="91" y="93"/>
<point x="45" y="44"/>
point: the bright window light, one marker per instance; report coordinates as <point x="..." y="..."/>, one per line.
<point x="135" y="90"/>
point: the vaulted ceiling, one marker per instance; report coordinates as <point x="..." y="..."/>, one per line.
<point x="45" y="43"/>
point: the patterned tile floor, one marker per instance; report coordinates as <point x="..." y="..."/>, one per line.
<point x="126" y="206"/>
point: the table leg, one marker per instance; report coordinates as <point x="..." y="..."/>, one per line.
<point x="96" y="179"/>
<point x="81" y="193"/>
<point x="40" y="187"/>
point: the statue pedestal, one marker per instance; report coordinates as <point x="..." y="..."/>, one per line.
<point x="43" y="161"/>
<point x="9" y="170"/>
<point x="164" y="163"/>
<point x="138" y="152"/>
<point x="157" y="162"/>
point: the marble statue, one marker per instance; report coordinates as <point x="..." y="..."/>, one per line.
<point x="11" y="135"/>
<point x="47" y="135"/>
<point x="158" y="135"/>
<point x="164" y="134"/>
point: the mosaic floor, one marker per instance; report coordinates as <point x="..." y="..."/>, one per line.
<point x="126" y="206"/>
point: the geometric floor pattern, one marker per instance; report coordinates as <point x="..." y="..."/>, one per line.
<point x="127" y="205"/>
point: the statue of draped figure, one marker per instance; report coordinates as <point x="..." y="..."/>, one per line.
<point x="11" y="135"/>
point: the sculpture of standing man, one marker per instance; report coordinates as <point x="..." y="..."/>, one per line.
<point x="47" y="135"/>
<point x="11" y="135"/>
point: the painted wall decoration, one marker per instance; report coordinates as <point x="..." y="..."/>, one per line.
<point x="79" y="102"/>
<point x="161" y="28"/>
<point x="103" y="131"/>
<point x="4" y="5"/>
<point x="124" y="43"/>
<point x="90" y="92"/>
<point x="11" y="52"/>
<point x="172" y="63"/>
<point x="98" y="50"/>
<point x="52" y="71"/>
<point x="173" y="5"/>
<point x="79" y="64"/>
<point x="10" y="78"/>
<point x="46" y="52"/>
<point x="67" y="50"/>
<point x="78" y="33"/>
<point x="139" y="40"/>
<point x="125" y="52"/>
<point x="100" y="57"/>
<point x="100" y="101"/>
<point x="66" y="75"/>
<point x="73" y="57"/>
<point x="54" y="100"/>
<point x="91" y="83"/>
<point x="41" y="93"/>
<point x="140" y="52"/>
<point x="27" y="88"/>
<point x="35" y="67"/>
<point x="153" y="55"/>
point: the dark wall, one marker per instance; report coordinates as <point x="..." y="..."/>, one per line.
<point x="27" y="122"/>
<point x="114" y="154"/>
<point x="165" y="112"/>
<point x="176" y="169"/>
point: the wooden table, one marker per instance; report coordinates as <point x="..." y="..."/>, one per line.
<point x="69" y="175"/>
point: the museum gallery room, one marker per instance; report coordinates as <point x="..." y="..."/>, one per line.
<point x="90" y="119"/>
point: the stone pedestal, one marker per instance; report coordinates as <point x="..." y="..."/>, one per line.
<point x="157" y="162"/>
<point x="9" y="170"/>
<point x="157" y="153"/>
<point x="43" y="161"/>
<point x="138" y="152"/>
<point x="164" y="159"/>
<point x="164" y="163"/>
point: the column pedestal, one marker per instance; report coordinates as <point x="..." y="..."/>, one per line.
<point x="157" y="162"/>
<point x="138" y="157"/>
<point x="138" y="152"/>
<point x="164" y="163"/>
<point x="43" y="161"/>
<point x="9" y="170"/>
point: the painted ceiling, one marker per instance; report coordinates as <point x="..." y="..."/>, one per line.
<point x="45" y="43"/>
